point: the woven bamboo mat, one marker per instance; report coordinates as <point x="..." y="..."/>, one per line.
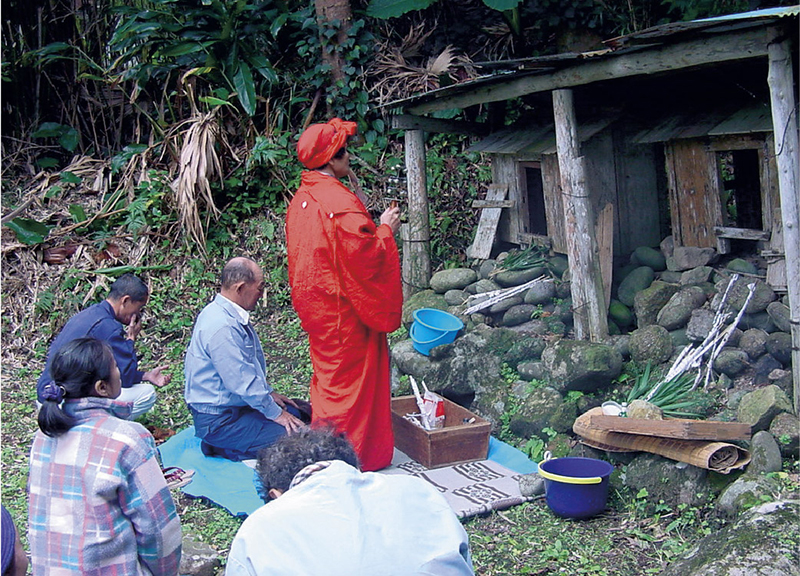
<point x="717" y="456"/>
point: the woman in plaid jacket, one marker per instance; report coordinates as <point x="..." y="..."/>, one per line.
<point x="99" y="503"/>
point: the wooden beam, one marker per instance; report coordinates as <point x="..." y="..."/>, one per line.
<point x="481" y="246"/>
<point x="586" y="281"/>
<point x="680" y="428"/>
<point x="492" y="203"/>
<point x="416" y="234"/>
<point x="740" y="233"/>
<point x="535" y="239"/>
<point x="738" y="45"/>
<point x="784" y="122"/>
<point x="434" y="125"/>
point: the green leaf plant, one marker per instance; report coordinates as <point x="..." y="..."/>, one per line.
<point x="672" y="396"/>
<point x="231" y="44"/>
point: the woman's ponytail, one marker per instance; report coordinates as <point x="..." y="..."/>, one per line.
<point x="53" y="421"/>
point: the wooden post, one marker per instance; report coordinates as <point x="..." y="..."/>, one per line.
<point x="785" y="130"/>
<point x="416" y="234"/>
<point x="591" y="321"/>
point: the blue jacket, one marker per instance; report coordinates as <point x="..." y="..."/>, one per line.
<point x="97" y="321"/>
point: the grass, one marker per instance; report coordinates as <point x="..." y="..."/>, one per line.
<point x="629" y="539"/>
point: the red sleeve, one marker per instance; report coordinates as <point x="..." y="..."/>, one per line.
<point x="370" y="271"/>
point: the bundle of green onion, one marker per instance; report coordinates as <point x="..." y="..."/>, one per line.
<point x="530" y="257"/>
<point x="672" y="396"/>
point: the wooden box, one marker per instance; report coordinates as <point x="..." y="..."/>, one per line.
<point x="458" y="441"/>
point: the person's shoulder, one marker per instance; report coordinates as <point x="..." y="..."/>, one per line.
<point x="330" y="194"/>
<point x="90" y="314"/>
<point x="127" y="432"/>
<point x="215" y="316"/>
<point x="219" y="309"/>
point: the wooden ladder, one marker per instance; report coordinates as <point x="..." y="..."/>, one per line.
<point x="491" y="208"/>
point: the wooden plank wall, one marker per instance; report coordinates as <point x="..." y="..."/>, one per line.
<point x="506" y="171"/>
<point x="768" y="173"/>
<point x="601" y="177"/>
<point x="554" y="207"/>
<point x="693" y="193"/>
<point x="637" y="208"/>
<point x="774" y="252"/>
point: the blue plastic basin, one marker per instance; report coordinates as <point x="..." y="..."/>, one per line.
<point x="581" y="490"/>
<point x="431" y="323"/>
<point x="424" y="346"/>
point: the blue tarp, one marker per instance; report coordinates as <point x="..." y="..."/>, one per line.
<point x="231" y="484"/>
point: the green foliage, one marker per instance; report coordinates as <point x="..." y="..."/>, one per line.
<point x="531" y="256"/>
<point x="266" y="180"/>
<point x="573" y="396"/>
<point x="29" y="231"/>
<point x="538" y="312"/>
<point x="45" y="303"/>
<point x="508" y="373"/>
<point x="536" y="446"/>
<point x="119" y="161"/>
<point x="455" y="178"/>
<point x="672" y="396"/>
<point x="585" y="15"/>
<point x="222" y="41"/>
<point x="694" y="9"/>
<point x="346" y="97"/>
<point x="149" y="209"/>
<point x="66" y="136"/>
<point x="386" y="9"/>
<point x="394" y="8"/>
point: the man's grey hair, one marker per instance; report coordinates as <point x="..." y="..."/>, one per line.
<point x="238" y="270"/>
<point x="129" y="285"/>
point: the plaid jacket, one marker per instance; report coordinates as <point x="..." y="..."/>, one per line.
<point x="99" y="504"/>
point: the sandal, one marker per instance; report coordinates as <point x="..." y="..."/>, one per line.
<point x="177" y="477"/>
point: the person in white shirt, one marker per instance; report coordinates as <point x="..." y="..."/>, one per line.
<point x="324" y="517"/>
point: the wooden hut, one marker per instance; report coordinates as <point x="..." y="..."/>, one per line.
<point x="697" y="120"/>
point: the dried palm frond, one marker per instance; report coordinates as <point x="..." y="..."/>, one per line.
<point x="500" y="42"/>
<point x="199" y="163"/>
<point x="398" y="78"/>
<point x="92" y="174"/>
<point x="399" y="70"/>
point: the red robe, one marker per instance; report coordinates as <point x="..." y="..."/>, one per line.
<point x="345" y="278"/>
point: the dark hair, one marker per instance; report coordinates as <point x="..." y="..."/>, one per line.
<point x="279" y="463"/>
<point x="238" y="269"/>
<point x="129" y="285"/>
<point x="339" y="155"/>
<point x="75" y="369"/>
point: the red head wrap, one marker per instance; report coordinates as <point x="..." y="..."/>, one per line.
<point x="320" y="142"/>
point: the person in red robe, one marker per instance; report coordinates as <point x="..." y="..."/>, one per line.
<point x="345" y="277"/>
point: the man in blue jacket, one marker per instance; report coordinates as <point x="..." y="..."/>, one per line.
<point x="118" y="321"/>
<point x="235" y="410"/>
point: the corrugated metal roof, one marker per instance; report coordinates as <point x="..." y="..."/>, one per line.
<point x="780" y="12"/>
<point x="745" y="121"/>
<point x="715" y="123"/>
<point x="534" y="140"/>
<point x="665" y="31"/>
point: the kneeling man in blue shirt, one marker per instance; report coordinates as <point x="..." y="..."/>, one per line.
<point x="116" y="320"/>
<point x="235" y="410"/>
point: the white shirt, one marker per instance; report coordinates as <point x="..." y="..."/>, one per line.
<point x="342" y="522"/>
